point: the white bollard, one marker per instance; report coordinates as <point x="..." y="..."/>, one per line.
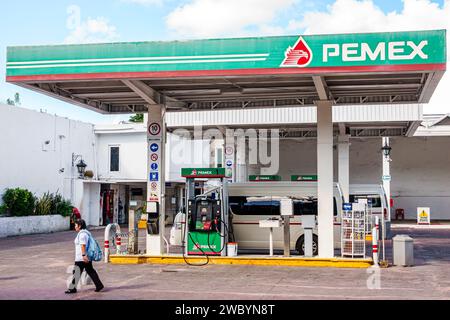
<point x="119" y="244"/>
<point x="375" y="246"/>
<point x="271" y="242"/>
<point x="107" y="232"/>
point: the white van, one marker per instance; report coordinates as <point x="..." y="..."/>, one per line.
<point x="246" y="213"/>
<point x="376" y="195"/>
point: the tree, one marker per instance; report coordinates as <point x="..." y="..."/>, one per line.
<point x="137" y="118"/>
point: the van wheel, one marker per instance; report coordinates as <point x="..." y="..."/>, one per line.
<point x="300" y="246"/>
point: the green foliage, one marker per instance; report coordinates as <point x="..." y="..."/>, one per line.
<point x="18" y="202"/>
<point x="138" y="118"/>
<point x="44" y="205"/>
<point x="61" y="206"/>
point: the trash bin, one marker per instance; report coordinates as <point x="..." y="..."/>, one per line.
<point x="403" y="250"/>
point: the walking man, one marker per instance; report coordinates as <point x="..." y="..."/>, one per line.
<point x="81" y="259"/>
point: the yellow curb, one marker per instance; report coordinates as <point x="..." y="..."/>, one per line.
<point x="254" y="261"/>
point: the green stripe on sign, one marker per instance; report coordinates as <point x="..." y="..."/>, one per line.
<point x="313" y="51"/>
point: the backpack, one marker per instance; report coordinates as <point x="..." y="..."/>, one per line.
<point x="93" y="250"/>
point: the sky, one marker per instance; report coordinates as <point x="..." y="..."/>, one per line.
<point x="45" y="22"/>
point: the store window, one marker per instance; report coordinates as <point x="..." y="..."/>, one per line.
<point x="114" y="156"/>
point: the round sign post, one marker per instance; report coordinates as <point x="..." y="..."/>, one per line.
<point x="154" y="129"/>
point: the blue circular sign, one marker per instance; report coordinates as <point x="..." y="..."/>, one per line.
<point x="154" y="147"/>
<point x="154" y="166"/>
<point x="229" y="163"/>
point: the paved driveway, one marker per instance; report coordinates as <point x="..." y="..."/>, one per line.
<point x="34" y="267"/>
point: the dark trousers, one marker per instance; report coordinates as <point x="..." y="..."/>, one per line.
<point x="78" y="271"/>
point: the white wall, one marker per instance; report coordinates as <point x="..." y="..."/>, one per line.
<point x="25" y="160"/>
<point x="133" y="155"/>
<point x="420" y="169"/>
<point x="181" y="153"/>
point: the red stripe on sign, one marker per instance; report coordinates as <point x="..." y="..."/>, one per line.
<point x="236" y="72"/>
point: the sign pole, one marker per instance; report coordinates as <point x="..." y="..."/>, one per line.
<point x="156" y="179"/>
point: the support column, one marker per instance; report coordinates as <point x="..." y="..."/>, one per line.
<point x="387" y="176"/>
<point x="230" y="152"/>
<point x="156" y="177"/>
<point x="344" y="165"/>
<point x="325" y="178"/>
<point x="241" y="160"/>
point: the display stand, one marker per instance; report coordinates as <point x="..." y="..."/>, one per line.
<point x="353" y="230"/>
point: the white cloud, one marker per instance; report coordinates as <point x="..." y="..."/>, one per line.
<point x="145" y="2"/>
<point x="212" y="18"/>
<point x="93" y="31"/>
<point x="364" y="16"/>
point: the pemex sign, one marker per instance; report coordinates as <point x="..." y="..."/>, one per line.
<point x="377" y="52"/>
<point x="300" y="55"/>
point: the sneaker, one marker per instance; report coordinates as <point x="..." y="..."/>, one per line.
<point x="99" y="289"/>
<point x="71" y="291"/>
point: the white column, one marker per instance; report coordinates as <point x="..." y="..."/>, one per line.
<point x="230" y="156"/>
<point x="387" y="176"/>
<point x="241" y="160"/>
<point x="325" y="177"/>
<point x="344" y="165"/>
<point x="156" y="174"/>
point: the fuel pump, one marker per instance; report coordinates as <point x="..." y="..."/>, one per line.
<point x="206" y="231"/>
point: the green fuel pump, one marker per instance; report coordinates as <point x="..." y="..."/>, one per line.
<point x="206" y="230"/>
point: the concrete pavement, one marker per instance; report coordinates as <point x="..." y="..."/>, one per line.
<point x="34" y="267"/>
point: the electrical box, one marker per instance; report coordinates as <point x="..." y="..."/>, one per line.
<point x="286" y="207"/>
<point x="308" y="221"/>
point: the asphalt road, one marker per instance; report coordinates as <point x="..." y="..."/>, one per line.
<point x="35" y="267"/>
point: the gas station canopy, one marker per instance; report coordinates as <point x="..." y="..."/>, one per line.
<point x="372" y="68"/>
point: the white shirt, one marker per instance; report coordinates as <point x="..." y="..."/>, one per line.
<point x="82" y="238"/>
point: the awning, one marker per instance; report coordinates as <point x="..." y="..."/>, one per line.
<point x="371" y="68"/>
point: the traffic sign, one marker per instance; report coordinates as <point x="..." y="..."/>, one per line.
<point x="154" y="147"/>
<point x="154" y="166"/>
<point x="154" y="176"/>
<point x="154" y="157"/>
<point x="423" y="215"/>
<point x="229" y="151"/>
<point x="229" y="163"/>
<point x="154" y="129"/>
<point x="347" y="207"/>
<point x="154" y="186"/>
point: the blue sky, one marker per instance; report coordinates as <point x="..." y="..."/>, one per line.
<point x="27" y="22"/>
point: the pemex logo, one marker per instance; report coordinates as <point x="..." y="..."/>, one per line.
<point x="298" y="56"/>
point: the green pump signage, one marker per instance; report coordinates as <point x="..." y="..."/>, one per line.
<point x="203" y="172"/>
<point x="286" y="54"/>
<point x="264" y="178"/>
<point x="304" y="178"/>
